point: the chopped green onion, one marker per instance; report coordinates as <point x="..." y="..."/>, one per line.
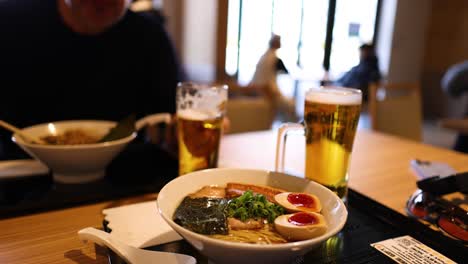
<point x="253" y="206"/>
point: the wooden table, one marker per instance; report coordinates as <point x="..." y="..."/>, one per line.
<point x="380" y="163"/>
<point x="379" y="169"/>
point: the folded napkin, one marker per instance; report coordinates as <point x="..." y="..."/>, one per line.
<point x="139" y="225"/>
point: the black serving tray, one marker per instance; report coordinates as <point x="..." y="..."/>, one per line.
<point x="368" y="222"/>
<point x="140" y="169"/>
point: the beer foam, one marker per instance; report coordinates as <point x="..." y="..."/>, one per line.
<point x="334" y="95"/>
<point x="198" y="115"/>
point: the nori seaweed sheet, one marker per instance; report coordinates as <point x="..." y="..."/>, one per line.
<point x="203" y="215"/>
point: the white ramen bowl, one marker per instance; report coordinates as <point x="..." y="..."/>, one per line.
<point x="74" y="163"/>
<point x="226" y="252"/>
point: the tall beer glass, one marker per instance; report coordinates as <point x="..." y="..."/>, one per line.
<point x="331" y="116"/>
<point x="200" y="113"/>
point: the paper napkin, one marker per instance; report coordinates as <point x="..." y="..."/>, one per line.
<point x="21" y="168"/>
<point x="139" y="225"/>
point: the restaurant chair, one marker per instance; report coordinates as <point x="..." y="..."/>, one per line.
<point x="249" y="114"/>
<point x="395" y="108"/>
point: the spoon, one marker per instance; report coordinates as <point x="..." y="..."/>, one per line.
<point x="132" y="254"/>
<point x="18" y="131"/>
<point x="128" y="125"/>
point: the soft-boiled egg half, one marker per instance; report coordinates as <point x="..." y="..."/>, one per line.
<point x="299" y="202"/>
<point x="301" y="226"/>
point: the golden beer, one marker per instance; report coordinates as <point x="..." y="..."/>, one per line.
<point x="330" y="120"/>
<point x="199" y="134"/>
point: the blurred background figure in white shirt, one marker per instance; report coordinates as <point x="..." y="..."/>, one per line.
<point x="265" y="78"/>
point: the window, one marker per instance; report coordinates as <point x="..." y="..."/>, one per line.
<point x="354" y="25"/>
<point x="315" y="35"/>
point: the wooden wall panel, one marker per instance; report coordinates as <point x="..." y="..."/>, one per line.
<point x="446" y="44"/>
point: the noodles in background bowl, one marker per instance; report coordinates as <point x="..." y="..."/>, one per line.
<point x="72" y="137"/>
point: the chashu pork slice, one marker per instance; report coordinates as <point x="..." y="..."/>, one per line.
<point x="234" y="189"/>
<point x="209" y="191"/>
<point x="250" y="224"/>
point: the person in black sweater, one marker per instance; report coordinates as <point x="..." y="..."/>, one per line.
<point x="81" y="59"/>
<point x="363" y="74"/>
<point x="455" y="83"/>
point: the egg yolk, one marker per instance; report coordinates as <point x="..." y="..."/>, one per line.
<point x="302" y="219"/>
<point x="300" y="199"/>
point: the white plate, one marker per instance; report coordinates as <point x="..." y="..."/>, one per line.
<point x="21" y="168"/>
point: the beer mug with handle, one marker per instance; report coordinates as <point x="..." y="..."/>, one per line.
<point x="331" y="116"/>
<point x="200" y="113"/>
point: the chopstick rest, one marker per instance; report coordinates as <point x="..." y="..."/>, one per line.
<point x="442" y="185"/>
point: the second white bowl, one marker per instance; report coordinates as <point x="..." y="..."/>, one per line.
<point x="74" y="163"/>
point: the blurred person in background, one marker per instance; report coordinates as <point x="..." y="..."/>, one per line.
<point x="81" y="59"/>
<point x="455" y="83"/>
<point x="265" y="80"/>
<point x="363" y="74"/>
